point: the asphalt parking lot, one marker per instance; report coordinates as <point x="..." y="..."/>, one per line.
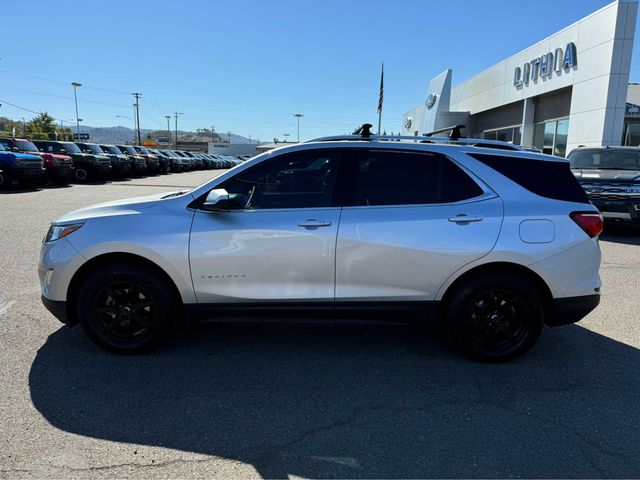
<point x="307" y="401"/>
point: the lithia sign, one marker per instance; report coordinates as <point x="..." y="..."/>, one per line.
<point x="545" y="65"/>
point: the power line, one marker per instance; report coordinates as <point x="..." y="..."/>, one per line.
<point x="32" y="111"/>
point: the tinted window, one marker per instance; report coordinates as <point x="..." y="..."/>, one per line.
<point x="407" y="178"/>
<point x="545" y="178"/>
<point x="296" y="180"/>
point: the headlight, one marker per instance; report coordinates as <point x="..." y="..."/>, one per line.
<point x="57" y="232"/>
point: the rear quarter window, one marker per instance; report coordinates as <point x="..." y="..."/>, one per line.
<point x="548" y="179"/>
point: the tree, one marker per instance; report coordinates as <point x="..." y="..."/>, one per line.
<point x="42" y="123"/>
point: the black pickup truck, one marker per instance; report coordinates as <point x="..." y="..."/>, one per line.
<point x="611" y="178"/>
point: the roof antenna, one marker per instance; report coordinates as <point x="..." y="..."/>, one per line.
<point x="364" y="131"/>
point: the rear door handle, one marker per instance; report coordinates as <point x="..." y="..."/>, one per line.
<point x="314" y="223"/>
<point x="463" y="218"/>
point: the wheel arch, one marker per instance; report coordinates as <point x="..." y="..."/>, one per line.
<point x="110" y="259"/>
<point x="501" y="267"/>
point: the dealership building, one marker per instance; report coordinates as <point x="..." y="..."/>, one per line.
<point x="567" y="90"/>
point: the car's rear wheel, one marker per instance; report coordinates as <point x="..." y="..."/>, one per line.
<point x="126" y="309"/>
<point x="495" y="317"/>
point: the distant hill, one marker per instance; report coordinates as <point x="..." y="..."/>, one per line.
<point x="122" y="134"/>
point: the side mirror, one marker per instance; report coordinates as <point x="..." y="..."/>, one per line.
<point x="217" y="199"/>
<point x="63" y="150"/>
<point x="15" y="149"/>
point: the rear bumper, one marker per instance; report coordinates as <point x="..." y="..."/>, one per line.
<point x="571" y="309"/>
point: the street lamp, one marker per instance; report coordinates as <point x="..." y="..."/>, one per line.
<point x="75" y="86"/>
<point x="298" y="116"/>
<point x="168" y="117"/>
<point x="286" y="137"/>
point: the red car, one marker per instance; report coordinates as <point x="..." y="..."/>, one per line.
<point x="58" y="167"/>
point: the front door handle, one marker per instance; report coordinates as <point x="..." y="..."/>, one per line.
<point x="463" y="218"/>
<point x="314" y="223"/>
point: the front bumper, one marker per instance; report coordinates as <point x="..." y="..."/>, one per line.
<point x="627" y="210"/>
<point x="571" y="309"/>
<point x="25" y="173"/>
<point x="57" y="308"/>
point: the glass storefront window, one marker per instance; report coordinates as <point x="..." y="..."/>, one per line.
<point x="510" y="134"/>
<point x="551" y="137"/>
<point x="562" y="131"/>
<point x="632" y="134"/>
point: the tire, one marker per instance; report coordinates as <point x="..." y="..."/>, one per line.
<point x="81" y="175"/>
<point x="495" y="318"/>
<point x="126" y="308"/>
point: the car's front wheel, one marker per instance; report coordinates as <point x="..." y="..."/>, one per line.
<point x="125" y="308"/>
<point x="496" y="317"/>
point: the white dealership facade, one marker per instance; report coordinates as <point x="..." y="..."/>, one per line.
<point x="567" y="90"/>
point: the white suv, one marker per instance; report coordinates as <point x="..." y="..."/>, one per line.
<point x="493" y="240"/>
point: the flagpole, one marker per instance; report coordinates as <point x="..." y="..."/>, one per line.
<point x="380" y="99"/>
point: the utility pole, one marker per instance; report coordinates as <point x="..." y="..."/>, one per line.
<point x="137" y="105"/>
<point x="213" y="137"/>
<point x="175" y="145"/>
<point x="229" y="137"/>
<point x="24" y="128"/>
<point x="168" y="117"/>
<point x="298" y="116"/>
<point x="75" y="85"/>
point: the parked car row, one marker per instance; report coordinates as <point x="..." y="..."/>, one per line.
<point x="38" y="162"/>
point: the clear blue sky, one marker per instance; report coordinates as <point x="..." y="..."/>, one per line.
<point x="247" y="66"/>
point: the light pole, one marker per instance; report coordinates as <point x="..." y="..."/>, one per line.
<point x="75" y="86"/>
<point x="213" y="138"/>
<point x="286" y="137"/>
<point x="175" y="145"/>
<point x="298" y="116"/>
<point x="168" y="117"/>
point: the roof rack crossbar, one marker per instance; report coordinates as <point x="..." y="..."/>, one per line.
<point x="454" y="129"/>
<point x="415" y="139"/>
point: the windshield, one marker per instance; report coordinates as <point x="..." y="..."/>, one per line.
<point x="69" y="147"/>
<point x="128" y="149"/>
<point x="142" y="150"/>
<point x="92" y="147"/>
<point x="26" y="146"/>
<point x="605" y="159"/>
<point x="110" y="149"/>
<point x="2" y="149"/>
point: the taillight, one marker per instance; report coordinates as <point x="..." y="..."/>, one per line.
<point x="591" y="222"/>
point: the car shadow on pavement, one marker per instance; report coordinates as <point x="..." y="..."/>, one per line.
<point x="365" y="402"/>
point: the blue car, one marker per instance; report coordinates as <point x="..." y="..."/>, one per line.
<point x="20" y="167"/>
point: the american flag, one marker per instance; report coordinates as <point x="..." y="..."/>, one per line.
<point x="381" y="90"/>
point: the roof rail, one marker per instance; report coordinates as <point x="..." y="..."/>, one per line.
<point x="479" y="142"/>
<point x="364" y="134"/>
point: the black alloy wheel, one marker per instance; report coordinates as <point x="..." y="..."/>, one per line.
<point x="125" y="308"/>
<point x="496" y="318"/>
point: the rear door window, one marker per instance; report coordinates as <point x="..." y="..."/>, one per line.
<point x="385" y="177"/>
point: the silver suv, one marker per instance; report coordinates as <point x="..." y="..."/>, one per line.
<point x="493" y="240"/>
